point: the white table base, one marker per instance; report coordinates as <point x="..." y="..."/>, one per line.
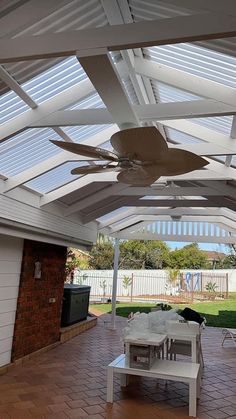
<point x="167" y="370"/>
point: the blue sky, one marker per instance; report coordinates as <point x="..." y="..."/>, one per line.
<point x="204" y="246"/>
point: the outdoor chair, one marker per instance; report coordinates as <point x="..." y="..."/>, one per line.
<point x="229" y="334"/>
<point x="181" y="347"/>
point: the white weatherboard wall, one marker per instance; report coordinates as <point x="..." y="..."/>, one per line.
<point x="11" y="250"/>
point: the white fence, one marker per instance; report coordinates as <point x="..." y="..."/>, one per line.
<point x="151" y="284"/>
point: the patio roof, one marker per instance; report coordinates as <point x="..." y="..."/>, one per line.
<point x="181" y="80"/>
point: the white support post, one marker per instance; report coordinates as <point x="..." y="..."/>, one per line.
<point x="114" y="286"/>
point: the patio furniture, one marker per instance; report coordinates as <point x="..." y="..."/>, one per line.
<point x="185" y="339"/>
<point x="152" y="339"/>
<point x="183" y="372"/>
<point x="229" y="334"/>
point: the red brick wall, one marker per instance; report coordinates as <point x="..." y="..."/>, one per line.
<point x="37" y="320"/>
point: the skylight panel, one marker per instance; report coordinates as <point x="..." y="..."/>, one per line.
<point x="32" y="147"/>
<point x="92" y="101"/>
<point x="218" y="123"/>
<point x="165" y="93"/>
<point x="196" y="60"/>
<point x="55" y="178"/>
<point x="11" y="105"/>
<point x="59" y="77"/>
<point x="180" y="137"/>
<point x="79" y="134"/>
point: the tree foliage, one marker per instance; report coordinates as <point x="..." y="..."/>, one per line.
<point x="148" y="254"/>
<point x="188" y="257"/>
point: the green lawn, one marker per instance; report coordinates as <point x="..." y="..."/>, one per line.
<point x="217" y="313"/>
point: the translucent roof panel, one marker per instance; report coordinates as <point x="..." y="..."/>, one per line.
<point x="152" y="9"/>
<point x="180" y="137"/>
<point x="165" y="93"/>
<point x="11" y="106"/>
<point x="92" y="101"/>
<point x="59" y="77"/>
<point x="129" y="88"/>
<point x="218" y="123"/>
<point x="79" y="134"/>
<point x="30" y="147"/>
<point x="55" y="178"/>
<point x="196" y="60"/>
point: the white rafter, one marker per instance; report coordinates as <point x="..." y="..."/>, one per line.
<point x="174" y="30"/>
<point x="61" y="100"/>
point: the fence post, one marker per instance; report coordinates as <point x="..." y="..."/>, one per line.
<point x="227" y="285"/>
<point x="131" y="288"/>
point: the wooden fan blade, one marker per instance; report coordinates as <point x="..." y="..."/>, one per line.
<point x="86" y="150"/>
<point x="178" y="162"/>
<point x="143" y="143"/>
<point x="85" y="170"/>
<point x="136" y="177"/>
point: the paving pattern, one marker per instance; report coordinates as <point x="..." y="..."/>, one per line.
<point x="70" y="382"/>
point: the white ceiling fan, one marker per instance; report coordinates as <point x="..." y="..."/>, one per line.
<point x="141" y="156"/>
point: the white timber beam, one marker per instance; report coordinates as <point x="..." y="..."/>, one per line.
<point x="27" y="14"/>
<point x="75" y="118"/>
<point x="55" y="161"/>
<point x="220" y="187"/>
<point x="185" y="81"/>
<point x="216" y="6"/>
<point x="203" y="133"/>
<point x="105" y="208"/>
<point x="102" y="73"/>
<point x="12" y="83"/>
<point x="184" y="110"/>
<point x="146" y="113"/>
<point x="182" y="203"/>
<point x="77" y="184"/>
<point x="153" y="219"/>
<point x="95" y="198"/>
<point x="174" y="237"/>
<point x="61" y="100"/>
<point x="172" y="191"/>
<point x="233" y="128"/>
<point x="190" y="28"/>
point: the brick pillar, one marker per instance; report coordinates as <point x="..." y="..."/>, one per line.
<point x="37" y="319"/>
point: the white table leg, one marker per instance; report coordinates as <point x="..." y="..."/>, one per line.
<point x="110" y="384"/>
<point x="199" y="384"/>
<point x="194" y="350"/>
<point x="123" y="380"/>
<point x="193" y="398"/>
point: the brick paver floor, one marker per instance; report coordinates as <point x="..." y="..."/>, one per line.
<point x="70" y="382"/>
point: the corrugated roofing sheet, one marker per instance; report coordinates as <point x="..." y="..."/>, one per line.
<point x="219" y="123"/>
<point x="61" y="76"/>
<point x="55" y="178"/>
<point x="196" y="60"/>
<point x="33" y="146"/>
<point x="165" y="93"/>
<point x="78" y="134"/>
<point x="92" y="101"/>
<point x="179" y="137"/>
<point x="30" y="147"/>
<point x="67" y="15"/>
<point x="152" y="9"/>
<point x="44" y="86"/>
